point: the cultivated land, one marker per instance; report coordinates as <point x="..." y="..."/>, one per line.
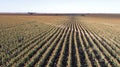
<point x="59" y="41"/>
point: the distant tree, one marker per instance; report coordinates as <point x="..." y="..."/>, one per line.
<point x="82" y="14"/>
<point x="30" y="13"/>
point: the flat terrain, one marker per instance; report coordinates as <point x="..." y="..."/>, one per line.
<point x="59" y="41"/>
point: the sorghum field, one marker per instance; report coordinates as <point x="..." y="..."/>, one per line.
<point x="59" y="41"/>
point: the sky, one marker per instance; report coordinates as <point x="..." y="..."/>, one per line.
<point x="61" y="6"/>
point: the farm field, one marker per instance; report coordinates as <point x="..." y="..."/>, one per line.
<point x="59" y="41"/>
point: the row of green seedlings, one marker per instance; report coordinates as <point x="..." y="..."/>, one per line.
<point x="61" y="41"/>
<point x="97" y="42"/>
<point x="105" y="64"/>
<point x="86" y="62"/>
<point x="45" y="57"/>
<point x="102" y="62"/>
<point x="48" y="56"/>
<point x="38" y="54"/>
<point x="26" y="49"/>
<point x="21" y="47"/>
<point x="115" y="47"/>
<point x="11" y="30"/>
<point x="72" y="60"/>
<point x="94" y="48"/>
<point x="78" y="62"/>
<point x="82" y="48"/>
<point x="114" y="57"/>
<point x="33" y="50"/>
<point x="111" y="41"/>
<point x="17" y="39"/>
<point x="11" y="41"/>
<point x="112" y="49"/>
<point x="101" y="47"/>
<point x="32" y="39"/>
<point x="70" y="47"/>
<point x="52" y="62"/>
<point x="88" y="47"/>
<point x="117" y="41"/>
<point x="83" y="58"/>
<point x="62" y="61"/>
<point x="35" y="59"/>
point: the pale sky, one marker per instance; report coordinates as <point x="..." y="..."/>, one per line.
<point x="61" y="6"/>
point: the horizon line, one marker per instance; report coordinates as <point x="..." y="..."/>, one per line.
<point x="50" y="13"/>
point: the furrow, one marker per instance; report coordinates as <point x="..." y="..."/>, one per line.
<point x="23" y="46"/>
<point x="84" y="57"/>
<point x="114" y="55"/>
<point x="91" y="54"/>
<point x="56" y="53"/>
<point x="88" y="48"/>
<point x="45" y="57"/>
<point x="60" y="38"/>
<point x="62" y="61"/>
<point x="109" y="42"/>
<point x="108" y="56"/>
<point x="26" y="50"/>
<point x="38" y="50"/>
<point x="72" y="58"/>
<point x="69" y="62"/>
<point x="97" y="54"/>
<point x="111" y="49"/>
<point x="76" y="45"/>
<point x="73" y="51"/>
